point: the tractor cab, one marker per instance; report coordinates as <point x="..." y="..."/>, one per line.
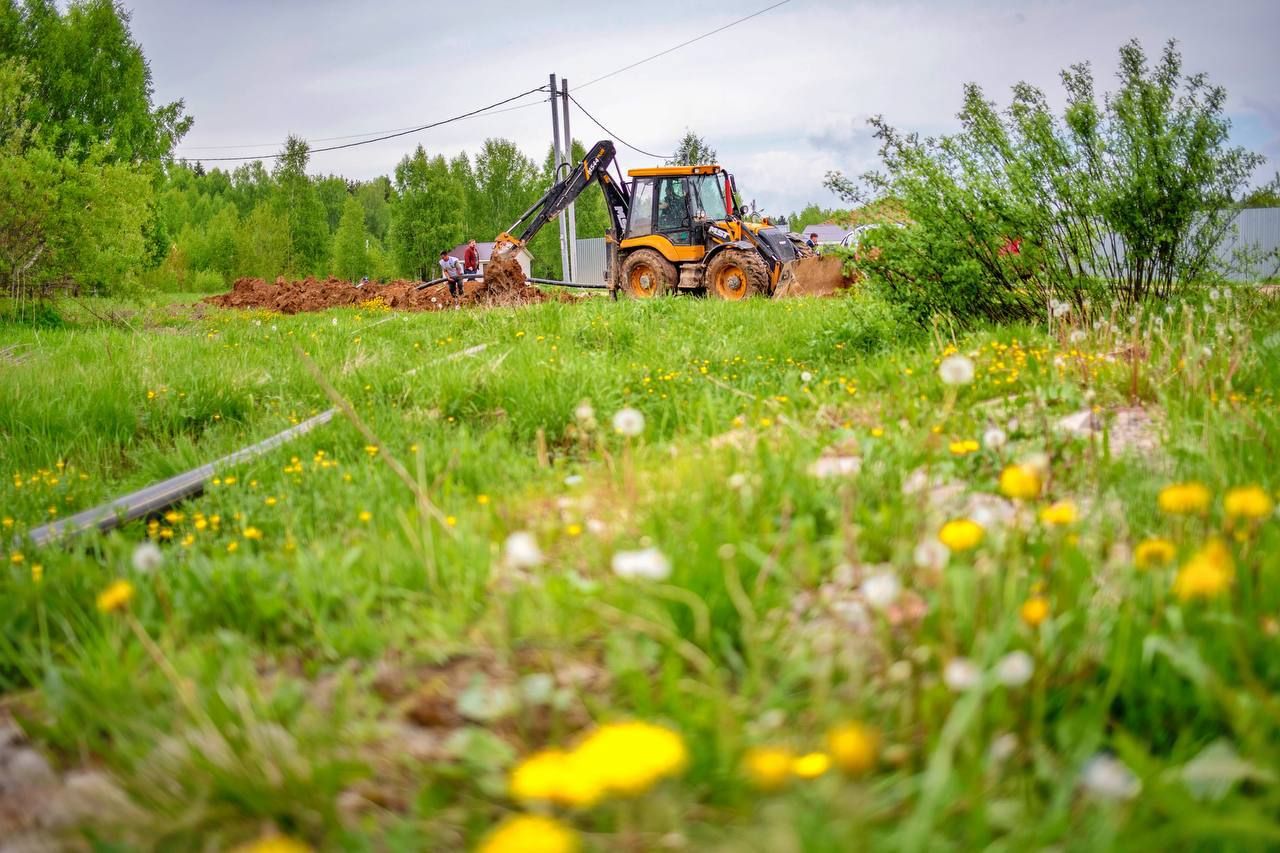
<point x="672" y="208"/>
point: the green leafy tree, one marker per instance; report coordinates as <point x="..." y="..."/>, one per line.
<point x="262" y="243"/>
<point x="375" y="197"/>
<point x="299" y="202"/>
<point x="333" y="192"/>
<point x="506" y="183"/>
<point x="1124" y="199"/>
<point x="464" y="180"/>
<point x="93" y="94"/>
<point x="427" y="217"/>
<point x="693" y="150"/>
<point x="350" y="254"/>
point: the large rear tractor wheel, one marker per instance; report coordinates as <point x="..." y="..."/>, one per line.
<point x="646" y="274"/>
<point x="736" y="274"/>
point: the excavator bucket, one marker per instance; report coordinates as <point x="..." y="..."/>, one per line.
<point x="817" y="275"/>
<point x="503" y="275"/>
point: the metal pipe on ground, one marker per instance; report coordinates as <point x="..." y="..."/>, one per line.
<point x="160" y="495"/>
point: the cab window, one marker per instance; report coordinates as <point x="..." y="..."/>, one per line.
<point x="641" y="208"/>
<point x="673" y="210"/>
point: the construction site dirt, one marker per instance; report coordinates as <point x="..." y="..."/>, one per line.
<point x="504" y="285"/>
<point x="310" y="294"/>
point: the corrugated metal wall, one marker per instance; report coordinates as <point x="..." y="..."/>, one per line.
<point x="1258" y="230"/>
<point x="591" y="260"/>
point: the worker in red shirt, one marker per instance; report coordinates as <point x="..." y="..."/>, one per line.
<point x="471" y="259"/>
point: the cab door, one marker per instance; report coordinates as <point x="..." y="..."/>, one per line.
<point x="673" y="217"/>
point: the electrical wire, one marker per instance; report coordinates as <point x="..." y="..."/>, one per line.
<point x="383" y="137"/>
<point x="614" y="135"/>
<point x="348" y="136"/>
<point x="593" y="81"/>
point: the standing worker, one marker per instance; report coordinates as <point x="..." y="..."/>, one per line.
<point x="812" y="242"/>
<point x="471" y="258"/>
<point x="452" y="269"/>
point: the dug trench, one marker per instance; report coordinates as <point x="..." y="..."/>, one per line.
<point x="503" y="285"/>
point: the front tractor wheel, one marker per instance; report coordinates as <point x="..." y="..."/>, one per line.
<point x="736" y="274"/>
<point x="646" y="274"/>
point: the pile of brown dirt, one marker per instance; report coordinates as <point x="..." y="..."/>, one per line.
<point x="503" y="277"/>
<point x="814" y="276"/>
<point x="310" y="294"/>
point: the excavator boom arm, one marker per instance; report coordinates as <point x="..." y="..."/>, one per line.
<point x="594" y="167"/>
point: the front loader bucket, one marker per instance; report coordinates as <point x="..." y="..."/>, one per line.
<point x="820" y="275"/>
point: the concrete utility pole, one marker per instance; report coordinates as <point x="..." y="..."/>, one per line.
<point x="568" y="156"/>
<point x="555" y="144"/>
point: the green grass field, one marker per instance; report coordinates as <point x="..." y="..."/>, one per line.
<point x="328" y="654"/>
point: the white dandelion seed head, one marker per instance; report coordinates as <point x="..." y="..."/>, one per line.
<point x="1002" y="747"/>
<point x="806" y="377"/>
<point x="956" y="370"/>
<point x="1015" y="669"/>
<point x="1109" y="778"/>
<point x="881" y="589"/>
<point x="1215" y="294"/>
<point x="826" y="467"/>
<point x="1059" y="308"/>
<point x="521" y="551"/>
<point x="961" y="674"/>
<point x="334" y="321"/>
<point x="994" y="438"/>
<point x="899" y="671"/>
<point x="646" y="564"/>
<point x="931" y="554"/>
<point x="629" y="422"/>
<point x="147" y="557"/>
<point x="584" y="411"/>
<point x="1076" y="336"/>
<point x="573" y="480"/>
<point x="737" y="481"/>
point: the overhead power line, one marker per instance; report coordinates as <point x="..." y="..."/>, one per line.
<point x="616" y="136"/>
<point x="383" y="137"/>
<point x="660" y="54"/>
<point x="276" y="144"/>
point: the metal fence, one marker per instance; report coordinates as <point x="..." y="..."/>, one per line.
<point x="591" y="259"/>
<point x="1255" y="239"/>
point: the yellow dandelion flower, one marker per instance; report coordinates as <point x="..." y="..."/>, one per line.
<point x="1248" y="502"/>
<point x="574" y="529"/>
<point x="173" y="517"/>
<point x="16" y="558"/>
<point x="811" y="766"/>
<point x="365" y="516"/>
<point x="7" y="521"/>
<point x="555" y="776"/>
<point x="274" y="844"/>
<point x="451" y="520"/>
<point x="853" y="747"/>
<point x="530" y="834"/>
<point x="1207" y="574"/>
<point x="1154" y="552"/>
<point x="877" y="431"/>
<point x="629" y="758"/>
<point x="1184" y="499"/>
<point x="961" y="534"/>
<point x="1020" y="482"/>
<point x="116" y="596"/>
<point x="1059" y="514"/>
<point x="37" y="573"/>
<point x="252" y="533"/>
<point x="270" y="501"/>
<point x="371" y="449"/>
<point x="768" y="767"/>
<point x="233" y="546"/>
<point x="1034" y="610"/>
<point x="482" y="499"/>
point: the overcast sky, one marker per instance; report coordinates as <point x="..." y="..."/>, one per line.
<point x="783" y="97"/>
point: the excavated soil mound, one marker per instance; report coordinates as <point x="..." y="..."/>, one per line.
<point x="815" y="276"/>
<point x="503" y="278"/>
<point x="310" y="294"/>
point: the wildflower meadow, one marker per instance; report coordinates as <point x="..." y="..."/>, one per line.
<point x="673" y="575"/>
